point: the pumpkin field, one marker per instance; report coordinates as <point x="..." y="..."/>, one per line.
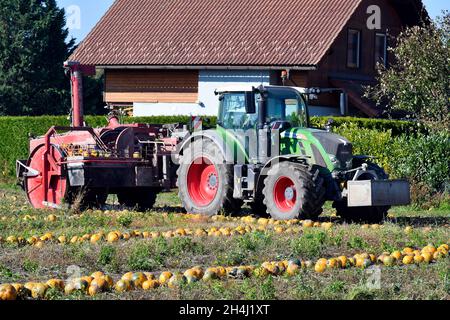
<point x="167" y="254"/>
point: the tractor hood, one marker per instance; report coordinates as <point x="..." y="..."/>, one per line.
<point x="326" y="148"/>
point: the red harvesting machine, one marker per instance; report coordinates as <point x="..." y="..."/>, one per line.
<point x="82" y="165"/>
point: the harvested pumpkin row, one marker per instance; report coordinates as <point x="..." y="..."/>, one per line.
<point x="99" y="282"/>
<point x="115" y="236"/>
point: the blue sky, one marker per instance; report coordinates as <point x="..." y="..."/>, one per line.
<point x="90" y="11"/>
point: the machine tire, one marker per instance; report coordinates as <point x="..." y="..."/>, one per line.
<point x="364" y="214"/>
<point x="143" y="199"/>
<point x="205" y="181"/>
<point x="293" y="191"/>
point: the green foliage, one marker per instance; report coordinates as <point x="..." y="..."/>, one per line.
<point x="142" y="258"/>
<point x="425" y="160"/>
<point x="33" y="48"/>
<point x="396" y="127"/>
<point x="254" y="241"/>
<point x="30" y="266"/>
<point x="310" y="245"/>
<point x="107" y="255"/>
<point x="125" y="220"/>
<point x="370" y="142"/>
<point x="418" y="82"/>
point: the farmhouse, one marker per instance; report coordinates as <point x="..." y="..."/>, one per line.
<point x="168" y="56"/>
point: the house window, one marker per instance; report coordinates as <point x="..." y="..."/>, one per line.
<point x="354" y="48"/>
<point x="380" y="49"/>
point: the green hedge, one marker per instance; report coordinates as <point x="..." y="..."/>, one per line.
<point x="14" y="133"/>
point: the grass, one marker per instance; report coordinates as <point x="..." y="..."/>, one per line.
<point x="26" y="263"/>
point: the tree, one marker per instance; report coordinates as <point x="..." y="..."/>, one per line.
<point x="418" y="80"/>
<point x="33" y="48"/>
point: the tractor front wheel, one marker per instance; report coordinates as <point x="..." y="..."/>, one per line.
<point x="293" y="191"/>
<point x="205" y="180"/>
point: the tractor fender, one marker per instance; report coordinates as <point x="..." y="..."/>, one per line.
<point x="303" y="160"/>
<point x="213" y="136"/>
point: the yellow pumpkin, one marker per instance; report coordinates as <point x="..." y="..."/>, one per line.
<point x="112" y="237"/>
<point x="55" y="284"/>
<point x="418" y="259"/>
<point x="138" y="279"/>
<point x="397" y="255"/>
<point x="408" y="260"/>
<point x="62" y="239"/>
<point x="332" y="263"/>
<point x="320" y="267"/>
<point x="149" y="276"/>
<point x="210" y="274"/>
<point x="176" y="280"/>
<point x="150" y="284"/>
<point x="101" y="283"/>
<point x="293" y="269"/>
<point x="95" y="238"/>
<point x="388" y="261"/>
<point x="109" y="281"/>
<point x="123" y="286"/>
<point x="52" y="218"/>
<point x="327" y="225"/>
<point x="165" y="277"/>
<point x="38" y="291"/>
<point x="308" y="224"/>
<point x="127" y="276"/>
<point x="7" y="292"/>
<point x="221" y="271"/>
<point x="427" y="257"/>
<point x="97" y="274"/>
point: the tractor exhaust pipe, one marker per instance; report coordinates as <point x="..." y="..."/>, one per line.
<point x="76" y="84"/>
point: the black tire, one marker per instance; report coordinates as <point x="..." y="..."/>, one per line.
<point x="142" y="199"/>
<point x="364" y="214"/>
<point x="308" y="188"/>
<point x="210" y="205"/>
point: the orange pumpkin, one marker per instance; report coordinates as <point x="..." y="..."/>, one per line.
<point x="7" y="292"/>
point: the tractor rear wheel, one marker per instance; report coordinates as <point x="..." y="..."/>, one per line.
<point x="143" y="199"/>
<point x="293" y="191"/>
<point x="364" y="214"/>
<point x="205" y="180"/>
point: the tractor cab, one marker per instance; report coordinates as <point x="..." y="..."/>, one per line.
<point x="286" y="107"/>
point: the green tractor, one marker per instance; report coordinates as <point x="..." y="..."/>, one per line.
<point x="265" y="153"/>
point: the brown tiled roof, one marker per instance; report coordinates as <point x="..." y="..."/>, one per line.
<point x="215" y="32"/>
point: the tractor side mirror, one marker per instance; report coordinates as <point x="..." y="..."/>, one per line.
<point x="250" y="103"/>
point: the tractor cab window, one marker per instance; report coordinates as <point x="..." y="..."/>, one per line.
<point x="287" y="106"/>
<point x="233" y="113"/>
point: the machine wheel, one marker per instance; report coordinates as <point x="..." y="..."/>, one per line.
<point x="143" y="199"/>
<point x="364" y="214"/>
<point x="205" y="181"/>
<point x="293" y="191"/>
<point x="57" y="179"/>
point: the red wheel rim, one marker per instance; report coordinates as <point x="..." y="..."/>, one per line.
<point x="56" y="181"/>
<point x="285" y="195"/>
<point x="202" y="182"/>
